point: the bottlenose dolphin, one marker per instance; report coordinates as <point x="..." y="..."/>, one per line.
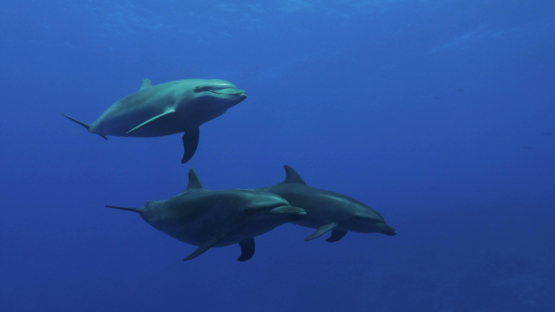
<point x="326" y="210"/>
<point x="208" y="219"/>
<point x="168" y="108"/>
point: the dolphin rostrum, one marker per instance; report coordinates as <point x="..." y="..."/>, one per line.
<point x="208" y="219"/>
<point x="168" y="108"/>
<point x="326" y="210"/>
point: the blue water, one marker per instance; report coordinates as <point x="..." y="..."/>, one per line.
<point x="438" y="114"/>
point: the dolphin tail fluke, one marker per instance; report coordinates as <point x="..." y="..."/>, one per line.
<point x="84" y="124"/>
<point x="190" y="144"/>
<point x="126" y="208"/>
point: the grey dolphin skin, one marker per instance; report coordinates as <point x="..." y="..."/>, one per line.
<point x="208" y="219"/>
<point x="327" y="210"/>
<point x="168" y="108"/>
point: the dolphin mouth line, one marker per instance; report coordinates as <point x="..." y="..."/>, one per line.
<point x="285" y="206"/>
<point x="280" y="206"/>
<point x="224" y="93"/>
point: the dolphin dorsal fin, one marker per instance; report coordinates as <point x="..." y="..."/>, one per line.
<point x="194" y="181"/>
<point x="291" y="176"/>
<point x="146" y="84"/>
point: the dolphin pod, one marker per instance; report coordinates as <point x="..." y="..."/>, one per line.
<point x="205" y="218"/>
<point x="220" y="218"/>
<point x="168" y="108"/>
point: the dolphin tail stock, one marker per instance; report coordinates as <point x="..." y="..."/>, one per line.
<point x="139" y="210"/>
<point x="84" y="124"/>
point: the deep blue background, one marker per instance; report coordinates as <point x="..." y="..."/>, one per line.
<point x="439" y="114"/>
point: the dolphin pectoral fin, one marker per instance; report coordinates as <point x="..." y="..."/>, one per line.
<point x="169" y="111"/>
<point x="336" y="235"/>
<point x="321" y="231"/>
<point x="204" y="247"/>
<point x="247" y="249"/>
<point x="190" y="144"/>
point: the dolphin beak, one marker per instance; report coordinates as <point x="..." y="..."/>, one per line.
<point x="295" y="213"/>
<point x="387" y="230"/>
<point x="231" y="91"/>
<point x="233" y="94"/>
<point x="242" y="94"/>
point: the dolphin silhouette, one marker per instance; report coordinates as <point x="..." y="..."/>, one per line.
<point x="208" y="219"/>
<point x="326" y="210"/>
<point x="168" y="108"/>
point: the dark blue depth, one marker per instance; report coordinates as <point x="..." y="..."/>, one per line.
<point x="438" y="114"/>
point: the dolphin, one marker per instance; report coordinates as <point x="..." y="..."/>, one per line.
<point x="326" y="210"/>
<point x="168" y="108"/>
<point x="208" y="219"/>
